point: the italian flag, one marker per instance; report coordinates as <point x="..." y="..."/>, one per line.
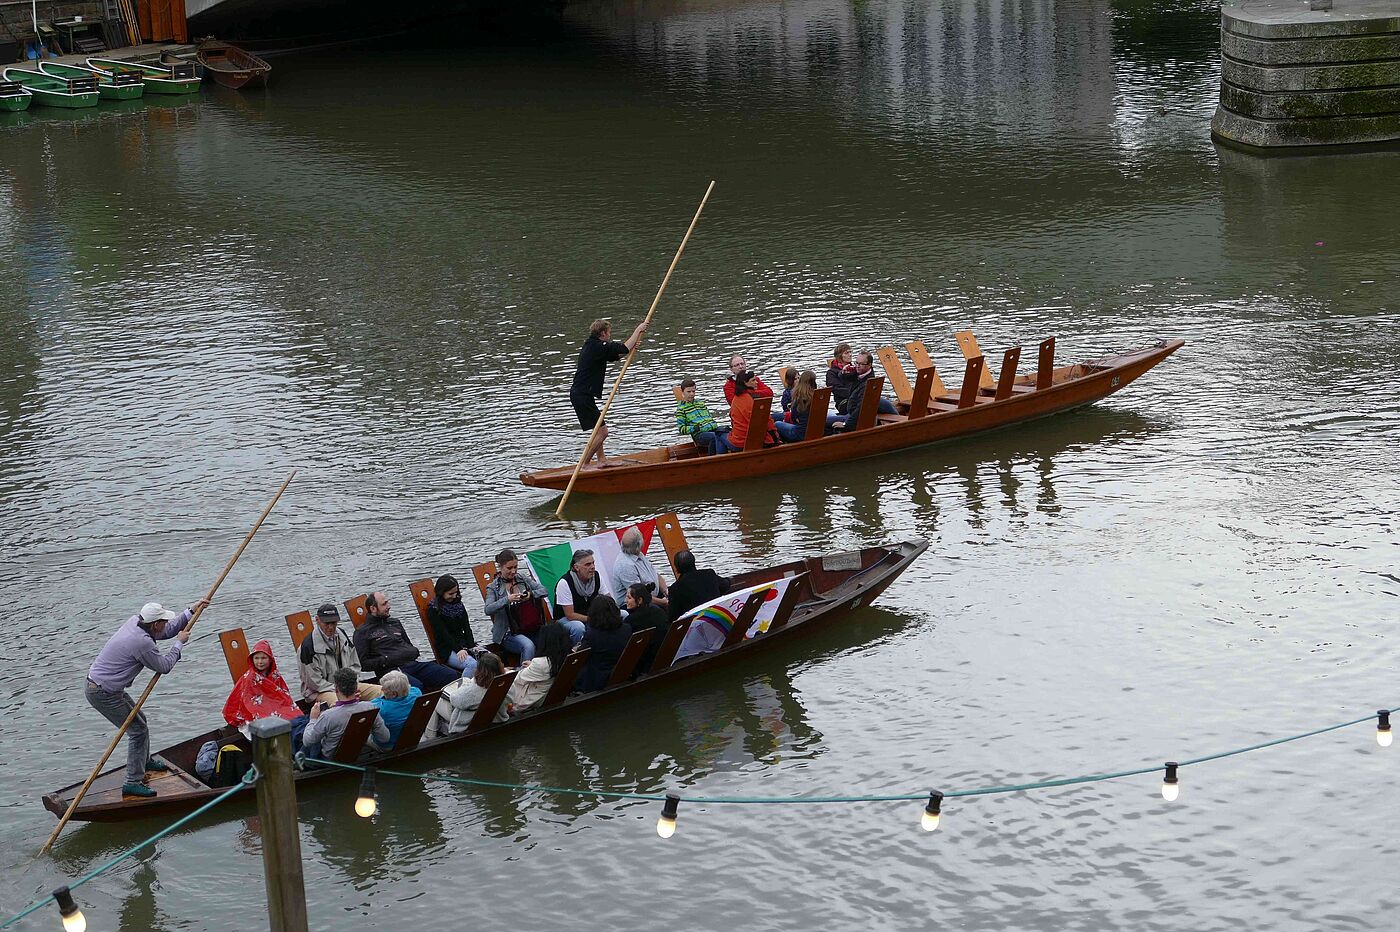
<point x="551" y="563"/>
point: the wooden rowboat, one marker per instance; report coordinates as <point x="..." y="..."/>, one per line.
<point x="48" y="91"/>
<point x="121" y="86"/>
<point x="822" y="590"/>
<point x="158" y="79"/>
<point x="14" y="97"/>
<point x="230" y="65"/>
<point x="930" y="414"/>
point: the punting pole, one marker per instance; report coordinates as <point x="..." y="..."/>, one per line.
<point x="156" y="679"/>
<point x="618" y="384"/>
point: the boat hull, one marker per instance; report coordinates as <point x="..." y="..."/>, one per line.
<point x="63" y="101"/>
<point x="15" y="103"/>
<point x="120" y="91"/>
<point x="620" y="477"/>
<point x="178" y="791"/>
<point x="170" y="86"/>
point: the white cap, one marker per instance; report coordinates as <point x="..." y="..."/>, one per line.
<point x="152" y="611"/>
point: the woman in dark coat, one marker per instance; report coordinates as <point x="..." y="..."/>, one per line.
<point x="642" y="612"/>
<point x="453" y="643"/>
<point x="606" y="635"/>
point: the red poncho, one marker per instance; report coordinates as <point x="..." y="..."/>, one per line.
<point x="258" y="695"/>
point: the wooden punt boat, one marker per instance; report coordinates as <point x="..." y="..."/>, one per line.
<point x="48" y="91"/>
<point x="930" y="414"/>
<point x="230" y="65"/>
<point x="158" y="79"/>
<point x="823" y="590"/>
<point x="121" y="86"/>
<point x="14" y="97"/>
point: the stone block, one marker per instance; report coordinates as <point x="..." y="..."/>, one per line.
<point x="1310" y="51"/>
<point x="1291" y="19"/>
<point x="1234" y="128"/>
<point x="1289" y="105"/>
<point x="1313" y="78"/>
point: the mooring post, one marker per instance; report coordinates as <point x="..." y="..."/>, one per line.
<point x="277" y="811"/>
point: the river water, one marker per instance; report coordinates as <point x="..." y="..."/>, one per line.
<point x="378" y="272"/>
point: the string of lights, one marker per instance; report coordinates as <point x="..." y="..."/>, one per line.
<point x="367" y="802"/>
<point x="73" y="919"/>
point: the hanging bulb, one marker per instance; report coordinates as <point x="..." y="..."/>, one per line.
<point x="73" y="919"/>
<point x="1171" y="787"/>
<point x="666" y="825"/>
<point x="929" y="821"/>
<point x="368" y="802"/>
<point x="1383" y="733"/>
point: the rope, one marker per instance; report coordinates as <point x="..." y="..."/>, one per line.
<point x="248" y="780"/>
<point x="798" y="800"/>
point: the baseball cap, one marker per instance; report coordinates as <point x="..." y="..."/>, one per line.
<point x="153" y="612"/>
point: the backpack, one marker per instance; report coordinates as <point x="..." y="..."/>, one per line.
<point x="230" y="766"/>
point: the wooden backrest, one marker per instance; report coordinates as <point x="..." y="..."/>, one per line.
<point x="670" y="645"/>
<point x="919" y="354"/>
<point x="970" y="350"/>
<point x="971" y="381"/>
<point x="235" y="647"/>
<point x="631" y="656"/>
<point x="423" y="593"/>
<point x="1045" y="368"/>
<point x="801" y="583"/>
<point x="894" y="372"/>
<point x="355" y="610"/>
<point x="417" y="722"/>
<point x="491" y="702"/>
<point x="668" y="526"/>
<point x="758" y="424"/>
<point x="357" y="732"/>
<point x="782" y="378"/>
<point x="816" y="414"/>
<point x="923" y="391"/>
<point x="676" y="390"/>
<point x="568" y="675"/>
<point x="483" y="573"/>
<point x="1008" y="372"/>
<point x="298" y="626"/>
<point x="745" y="620"/>
<point x="869" y="403"/>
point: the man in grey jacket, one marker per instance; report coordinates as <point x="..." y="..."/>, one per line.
<point x="324" y="651"/>
<point x="509" y="588"/>
<point x="322" y="736"/>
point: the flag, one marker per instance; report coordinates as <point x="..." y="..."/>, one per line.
<point x="549" y="564"/>
<point x="711" y="623"/>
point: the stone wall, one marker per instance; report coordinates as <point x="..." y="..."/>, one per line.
<point x="1291" y="76"/>
<point x="17" y="23"/>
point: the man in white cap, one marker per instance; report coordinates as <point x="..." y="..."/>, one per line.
<point x="132" y="648"/>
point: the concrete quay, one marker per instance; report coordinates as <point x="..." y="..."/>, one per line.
<point x="1296" y="77"/>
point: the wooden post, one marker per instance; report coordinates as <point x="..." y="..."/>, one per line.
<point x="1007" y="382"/>
<point x="277" y="812"/>
<point x="1045" y="370"/>
<point x="968" y="398"/>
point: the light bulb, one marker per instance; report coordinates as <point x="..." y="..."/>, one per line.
<point x="666" y="825"/>
<point x="1171" y="787"/>
<point x="932" y="812"/>
<point x="367" y="803"/>
<point x="1383" y="733"/>
<point x="73" y="918"/>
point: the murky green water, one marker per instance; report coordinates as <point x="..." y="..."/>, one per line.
<point x="378" y="271"/>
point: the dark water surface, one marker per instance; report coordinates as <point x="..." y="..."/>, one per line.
<point x="378" y="271"/>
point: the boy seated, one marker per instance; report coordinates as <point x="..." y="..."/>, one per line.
<point x="694" y="420"/>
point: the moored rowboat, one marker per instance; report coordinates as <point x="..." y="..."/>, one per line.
<point x="14" y="97"/>
<point x="121" y="86"/>
<point x="931" y="414"/>
<point x="48" y="91"/>
<point x="230" y="65"/>
<point x="819" y="590"/>
<point x="158" y="79"/>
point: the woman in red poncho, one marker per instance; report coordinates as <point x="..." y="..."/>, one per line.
<point x="260" y="692"/>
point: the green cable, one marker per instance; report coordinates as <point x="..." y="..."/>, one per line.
<point x="780" y="800"/>
<point x="248" y="780"/>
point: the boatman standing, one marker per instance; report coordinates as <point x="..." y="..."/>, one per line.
<point x="598" y="350"/>
<point x="128" y="651"/>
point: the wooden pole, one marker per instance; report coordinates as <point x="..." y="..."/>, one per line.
<point x="277" y="813"/>
<point x="156" y="679"/>
<point x="618" y="384"/>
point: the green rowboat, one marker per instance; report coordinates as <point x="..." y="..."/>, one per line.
<point x="122" y="86"/>
<point x="158" y="79"/>
<point x="14" y="97"/>
<point x="48" y="91"/>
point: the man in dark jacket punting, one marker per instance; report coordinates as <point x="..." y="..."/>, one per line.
<point x="593" y="358"/>
<point x="692" y="587"/>
<point x="383" y="645"/>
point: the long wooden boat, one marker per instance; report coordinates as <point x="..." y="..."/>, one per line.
<point x="158" y="79"/>
<point x="230" y="65"/>
<point x="121" y="86"/>
<point x="822" y="590"/>
<point x="930" y="414"/>
<point x="14" y="97"/>
<point x="48" y="91"/>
